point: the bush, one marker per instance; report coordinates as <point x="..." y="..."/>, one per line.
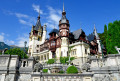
<point x="64" y="60"/>
<point x="72" y="70"/>
<point x="61" y="72"/>
<point x="51" y="61"/>
<point x="45" y="70"/>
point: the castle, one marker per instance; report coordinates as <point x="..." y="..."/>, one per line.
<point x="61" y="41"/>
<point x="88" y="51"/>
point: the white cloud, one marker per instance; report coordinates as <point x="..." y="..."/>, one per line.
<point x="19" y="15"/>
<point x="1" y="38"/>
<point x="23" y="18"/>
<point x="54" y="17"/>
<point x="37" y="8"/>
<point x="9" y="42"/>
<point x="25" y="22"/>
<point x="22" y="39"/>
<point x="2" y="34"/>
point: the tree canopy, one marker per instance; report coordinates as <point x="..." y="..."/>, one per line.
<point x="17" y="51"/>
<point x="111" y="37"/>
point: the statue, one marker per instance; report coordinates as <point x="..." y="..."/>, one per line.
<point x="118" y="49"/>
<point x="86" y="66"/>
<point x="38" y="67"/>
<point x="4" y="51"/>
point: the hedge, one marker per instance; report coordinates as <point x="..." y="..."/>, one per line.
<point x="51" y="61"/>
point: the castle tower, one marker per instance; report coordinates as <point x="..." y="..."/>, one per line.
<point x="64" y="33"/>
<point x="35" y="37"/>
<point x="44" y="34"/>
<point x="98" y="40"/>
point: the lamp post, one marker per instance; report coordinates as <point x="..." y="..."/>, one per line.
<point x="25" y="43"/>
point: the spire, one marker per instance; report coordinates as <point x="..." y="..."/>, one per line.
<point x="95" y="33"/>
<point x="39" y="15"/>
<point x="63" y="13"/>
<point x="63" y="7"/>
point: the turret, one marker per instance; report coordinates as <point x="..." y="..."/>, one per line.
<point x="64" y="33"/>
<point x="98" y="40"/>
<point x="44" y="34"/>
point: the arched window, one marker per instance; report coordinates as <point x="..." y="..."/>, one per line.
<point x="38" y="39"/>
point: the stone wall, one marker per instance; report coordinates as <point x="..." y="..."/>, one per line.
<point x="101" y="69"/>
<point x="62" y="77"/>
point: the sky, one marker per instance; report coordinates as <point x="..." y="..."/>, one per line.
<point x="18" y="16"/>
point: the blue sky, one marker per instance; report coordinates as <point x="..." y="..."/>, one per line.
<point x="18" y="16"/>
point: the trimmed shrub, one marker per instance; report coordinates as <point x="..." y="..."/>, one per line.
<point x="61" y="72"/>
<point x="45" y="70"/>
<point x="72" y="70"/>
<point x="51" y="61"/>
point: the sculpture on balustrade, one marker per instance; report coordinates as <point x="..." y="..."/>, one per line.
<point x="118" y="49"/>
<point x="85" y="67"/>
<point x="38" y="67"/>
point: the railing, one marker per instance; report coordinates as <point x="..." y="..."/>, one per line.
<point x="55" y="65"/>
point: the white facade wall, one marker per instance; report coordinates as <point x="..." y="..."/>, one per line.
<point x="43" y="37"/>
<point x="99" y="47"/>
<point x="64" y="47"/>
<point x="33" y="45"/>
<point x="80" y="49"/>
<point x="58" y="52"/>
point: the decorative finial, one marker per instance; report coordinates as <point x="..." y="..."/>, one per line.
<point x="94" y="25"/>
<point x="63" y="7"/>
<point x="94" y="28"/>
<point x="39" y="15"/>
<point x="80" y="25"/>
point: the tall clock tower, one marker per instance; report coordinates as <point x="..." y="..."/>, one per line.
<point x="64" y="33"/>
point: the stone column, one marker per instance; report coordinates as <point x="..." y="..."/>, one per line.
<point x="46" y="57"/>
<point x="21" y="63"/>
<point x="3" y="77"/>
<point x="43" y="58"/>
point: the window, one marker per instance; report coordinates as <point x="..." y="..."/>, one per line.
<point x="37" y="46"/>
<point x="85" y="51"/>
<point x="67" y="53"/>
<point x="53" y="43"/>
<point x="37" y="51"/>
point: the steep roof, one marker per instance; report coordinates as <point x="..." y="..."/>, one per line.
<point x="38" y="24"/>
<point x="95" y="33"/>
<point x="77" y="33"/>
<point x="90" y="37"/>
<point x="54" y="31"/>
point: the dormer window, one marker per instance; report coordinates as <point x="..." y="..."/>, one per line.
<point x="53" y="43"/>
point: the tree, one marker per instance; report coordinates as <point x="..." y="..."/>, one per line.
<point x="17" y="51"/>
<point x="72" y="70"/>
<point x="113" y="37"/>
<point x="103" y="36"/>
